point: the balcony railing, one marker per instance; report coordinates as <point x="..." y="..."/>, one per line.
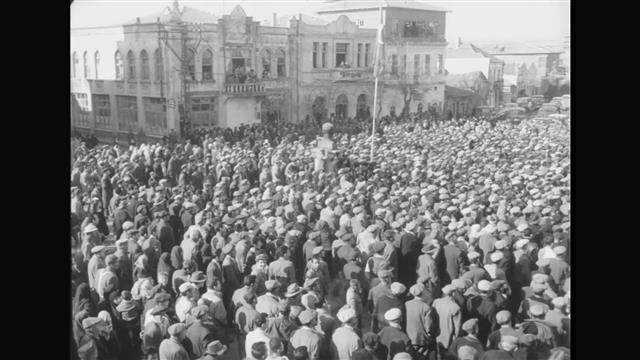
<point x="251" y="88"/>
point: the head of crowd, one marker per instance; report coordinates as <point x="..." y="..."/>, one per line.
<point x="285" y="241"/>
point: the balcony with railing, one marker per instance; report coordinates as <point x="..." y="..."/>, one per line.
<point x="244" y="89"/>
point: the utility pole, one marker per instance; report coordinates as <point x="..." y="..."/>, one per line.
<point x="184" y="57"/>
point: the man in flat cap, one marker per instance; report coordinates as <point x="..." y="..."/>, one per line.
<point x="475" y="272"/>
<point x="409" y="253"/>
<point x="449" y="316"/>
<point x="96" y="263"/>
<point x="506" y="349"/>
<point x="172" y="347"/>
<point x="198" y="334"/>
<point x="392" y="338"/>
<point x="483" y="308"/>
<point x="535" y="324"/>
<point x="268" y="302"/>
<point x="421" y="327"/>
<point x="454" y="258"/>
<point x="386" y="302"/>
<point x="345" y="339"/>
<point x="107" y="281"/>
<point x="471" y="339"/>
<point x="306" y="335"/>
<point x="558" y="318"/>
<point x="165" y="232"/>
<point x="380" y="290"/>
<point x="283" y="268"/>
<point x="559" y="268"/>
<point x="503" y="319"/>
<point x="427" y="270"/>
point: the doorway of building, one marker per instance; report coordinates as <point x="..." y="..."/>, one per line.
<point x="362" y="106"/>
<point x="342" y="106"/>
<point x="319" y="110"/>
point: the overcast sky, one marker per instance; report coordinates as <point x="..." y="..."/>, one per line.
<point x="472" y="20"/>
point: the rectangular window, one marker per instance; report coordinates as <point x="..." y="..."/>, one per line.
<point x="80" y="109"/>
<point x="427" y="65"/>
<point x="102" y="111"/>
<point x="341" y="54"/>
<point x="367" y="54"/>
<point x="440" y="62"/>
<point x="403" y="65"/>
<point x="542" y="62"/>
<point x="416" y="65"/>
<point x="159" y="68"/>
<point x="127" y="112"/>
<point x="358" y="63"/>
<point x="203" y="111"/>
<point x="324" y="54"/>
<point x="315" y="55"/>
<point x="394" y="64"/>
<point x="155" y="112"/>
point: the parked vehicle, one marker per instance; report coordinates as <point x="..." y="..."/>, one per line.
<point x="547" y="109"/>
<point x="523" y="101"/>
<point x="537" y="101"/>
<point x="557" y="101"/>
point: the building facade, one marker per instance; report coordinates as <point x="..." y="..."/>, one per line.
<point x="464" y="93"/>
<point x="184" y="68"/>
<point x="526" y="65"/>
<point x="467" y="58"/>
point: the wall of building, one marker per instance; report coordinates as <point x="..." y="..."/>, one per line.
<point x="240" y="110"/>
<point x="467" y="65"/>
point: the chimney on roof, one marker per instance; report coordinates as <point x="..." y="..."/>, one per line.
<point x="275" y="22"/>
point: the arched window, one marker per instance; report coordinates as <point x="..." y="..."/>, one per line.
<point x="85" y="63"/>
<point x="96" y="59"/>
<point x="207" y="65"/>
<point x="131" y="63"/>
<point x="266" y="63"/>
<point x="74" y="65"/>
<point x="159" y="67"/>
<point x="191" y="60"/>
<point x="145" y="64"/>
<point x="281" y="63"/>
<point x="119" y="66"/>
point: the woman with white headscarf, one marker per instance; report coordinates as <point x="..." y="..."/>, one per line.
<point x="109" y="337"/>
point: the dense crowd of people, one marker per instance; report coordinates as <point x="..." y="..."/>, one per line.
<point x="269" y="242"/>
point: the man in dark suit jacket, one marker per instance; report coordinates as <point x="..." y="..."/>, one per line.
<point x="454" y="260"/>
<point x="199" y="334"/>
<point x="120" y="217"/>
<point x="409" y="252"/>
<point x="471" y="339"/>
<point x="165" y="232"/>
<point x="483" y="308"/>
<point x="386" y="303"/>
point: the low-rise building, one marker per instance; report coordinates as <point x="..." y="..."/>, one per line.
<point x="185" y="68"/>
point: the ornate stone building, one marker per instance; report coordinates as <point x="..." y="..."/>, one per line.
<point x="185" y="67"/>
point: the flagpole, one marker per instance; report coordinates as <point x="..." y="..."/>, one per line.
<point x="375" y="86"/>
<point x="373" y="123"/>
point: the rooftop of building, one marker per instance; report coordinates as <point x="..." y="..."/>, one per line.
<point x="466" y="80"/>
<point x="517" y="48"/>
<point x="307" y="19"/>
<point x="353" y="5"/>
<point x="187" y="14"/>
